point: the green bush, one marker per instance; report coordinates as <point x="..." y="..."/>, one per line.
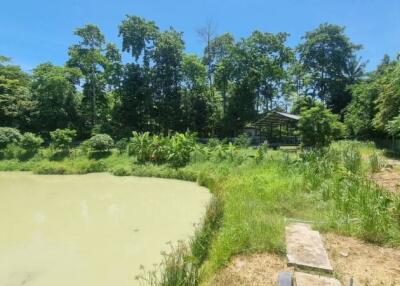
<point x="61" y="139"/>
<point x="175" y="150"/>
<point x="180" y="146"/>
<point x="243" y="141"/>
<point x="122" y="145"/>
<point x="318" y="127"/>
<point x="100" y="143"/>
<point x="147" y="148"/>
<point x="8" y="136"/>
<point x="30" y="143"/>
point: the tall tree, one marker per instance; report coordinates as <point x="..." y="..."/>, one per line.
<point x="194" y="100"/>
<point x="17" y="108"/>
<point x="89" y="56"/>
<point x="134" y="110"/>
<point x="167" y="76"/>
<point x="326" y="56"/>
<point x="54" y="90"/>
<point x="388" y="99"/>
<point x="257" y="71"/>
<point x="207" y="34"/>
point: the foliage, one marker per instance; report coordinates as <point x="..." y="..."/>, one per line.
<point x="17" y="108"/>
<point x="54" y="90"/>
<point x="8" y="136"/>
<point x="61" y="139"/>
<point x="30" y="142"/>
<point x="175" y="149"/>
<point x="122" y="145"/>
<point x="327" y="59"/>
<point x="101" y="143"/>
<point x="318" y="127"/>
<point x="243" y="140"/>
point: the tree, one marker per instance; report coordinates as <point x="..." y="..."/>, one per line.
<point x="167" y="76"/>
<point x="17" y="108"/>
<point x="30" y="143"/>
<point x="9" y="135"/>
<point x="318" y="126"/>
<point x="61" y="139"/>
<point x="134" y="109"/>
<point x="327" y="57"/>
<point x="54" y="90"/>
<point x="101" y="143"/>
<point x="138" y="36"/>
<point x="89" y="56"/>
<point x="207" y="34"/>
<point x="194" y="100"/>
<point x="388" y="99"/>
<point x="257" y="71"/>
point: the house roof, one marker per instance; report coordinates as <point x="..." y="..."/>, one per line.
<point x="276" y="117"/>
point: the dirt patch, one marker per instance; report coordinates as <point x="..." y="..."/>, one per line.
<point x="389" y="177"/>
<point x="252" y="270"/>
<point x="369" y="265"/>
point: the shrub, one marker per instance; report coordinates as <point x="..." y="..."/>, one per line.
<point x="243" y="141"/>
<point x="213" y="142"/>
<point x="122" y="145"/>
<point x="8" y="136"/>
<point x="100" y="143"/>
<point x="31" y="143"/>
<point x="61" y="139"/>
<point x="175" y="150"/>
<point x="318" y="127"/>
<point x="147" y="148"/>
<point x="180" y="146"/>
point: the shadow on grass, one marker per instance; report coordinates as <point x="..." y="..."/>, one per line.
<point x="99" y="155"/>
<point x="59" y="155"/>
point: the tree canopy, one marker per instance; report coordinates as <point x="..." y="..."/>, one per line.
<point x="150" y="83"/>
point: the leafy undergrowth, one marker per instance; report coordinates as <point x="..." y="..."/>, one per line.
<point x="254" y="193"/>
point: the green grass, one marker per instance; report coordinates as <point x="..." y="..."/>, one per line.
<point x="255" y="193"/>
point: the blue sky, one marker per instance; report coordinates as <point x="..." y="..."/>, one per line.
<point x="35" y="31"/>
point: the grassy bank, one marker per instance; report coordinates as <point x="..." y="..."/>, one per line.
<point x="256" y="192"/>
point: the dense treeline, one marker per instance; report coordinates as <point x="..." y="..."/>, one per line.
<point x="160" y="88"/>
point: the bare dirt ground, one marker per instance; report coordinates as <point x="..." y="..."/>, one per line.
<point x="389" y="177"/>
<point x="251" y="270"/>
<point x="369" y="265"/>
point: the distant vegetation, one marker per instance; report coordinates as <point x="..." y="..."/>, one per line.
<point x="162" y="89"/>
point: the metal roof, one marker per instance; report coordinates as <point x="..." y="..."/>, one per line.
<point x="273" y="117"/>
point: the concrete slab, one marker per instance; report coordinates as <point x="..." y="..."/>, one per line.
<point x="285" y="279"/>
<point x="305" y="248"/>
<point x="304" y="279"/>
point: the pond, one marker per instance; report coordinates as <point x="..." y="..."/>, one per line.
<point x="94" y="229"/>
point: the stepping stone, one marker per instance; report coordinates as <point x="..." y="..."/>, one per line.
<point x="304" y="279"/>
<point x="305" y="248"/>
<point x="285" y="279"/>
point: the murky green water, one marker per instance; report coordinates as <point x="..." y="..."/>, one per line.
<point x="91" y="230"/>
